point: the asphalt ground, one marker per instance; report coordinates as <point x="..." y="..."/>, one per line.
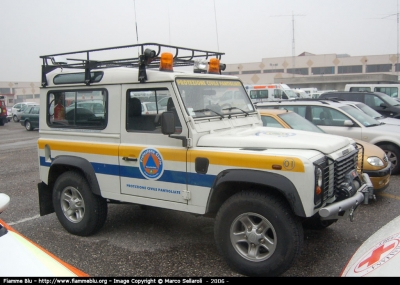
<point x="154" y="242"/>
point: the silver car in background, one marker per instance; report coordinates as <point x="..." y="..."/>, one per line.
<point x="338" y="118"/>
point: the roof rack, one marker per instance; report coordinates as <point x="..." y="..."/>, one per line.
<point x="148" y="56"/>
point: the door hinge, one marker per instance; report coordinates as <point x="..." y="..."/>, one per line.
<point x="185" y="194"/>
<point x="189" y="142"/>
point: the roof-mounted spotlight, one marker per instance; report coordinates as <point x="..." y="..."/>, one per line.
<point x="145" y="59"/>
<point x="200" y="66"/>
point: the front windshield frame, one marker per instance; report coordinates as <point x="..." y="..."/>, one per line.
<point x="297" y="122"/>
<point x="212" y="97"/>
<point x="360" y="116"/>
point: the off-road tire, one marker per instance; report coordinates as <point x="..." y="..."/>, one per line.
<point x="281" y="231"/>
<point x="79" y="211"/>
<point x="393" y="154"/>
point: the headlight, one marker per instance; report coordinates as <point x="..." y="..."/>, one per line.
<point x="318" y="178"/>
<point x="375" y="161"/>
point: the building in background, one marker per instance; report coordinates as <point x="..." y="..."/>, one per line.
<point x="325" y="72"/>
<point x="16" y="92"/>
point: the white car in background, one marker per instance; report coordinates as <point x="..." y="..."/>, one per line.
<point x="150" y="108"/>
<point x="18" y="109"/>
<point x="371" y="112"/>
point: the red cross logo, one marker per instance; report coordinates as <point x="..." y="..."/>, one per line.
<point x="376" y="255"/>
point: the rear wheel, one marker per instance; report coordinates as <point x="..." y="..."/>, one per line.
<point x="79" y="211"/>
<point x="258" y="234"/>
<point x="28" y="126"/>
<point x="393" y="154"/>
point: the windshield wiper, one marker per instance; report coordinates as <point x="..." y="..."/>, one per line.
<point x="231" y="108"/>
<point x="205" y="110"/>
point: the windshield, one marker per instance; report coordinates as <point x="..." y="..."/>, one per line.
<point x="297" y="122"/>
<point x="368" y="110"/>
<point x="390" y="100"/>
<point x="360" y="116"/>
<point x="212" y="97"/>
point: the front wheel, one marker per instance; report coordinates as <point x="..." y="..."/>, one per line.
<point x="258" y="234"/>
<point x="28" y="126"/>
<point x="393" y="154"/>
<point x="79" y="211"/>
<point x="15" y="119"/>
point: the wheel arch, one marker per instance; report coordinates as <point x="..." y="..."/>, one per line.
<point x="65" y="163"/>
<point x="232" y="181"/>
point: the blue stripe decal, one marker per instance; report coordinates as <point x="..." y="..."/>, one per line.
<point x="203" y="180"/>
<point x="102" y="168"/>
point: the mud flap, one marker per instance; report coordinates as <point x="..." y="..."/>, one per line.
<point x="45" y="199"/>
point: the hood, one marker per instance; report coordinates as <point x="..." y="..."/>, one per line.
<point x="273" y="138"/>
<point x="390" y="121"/>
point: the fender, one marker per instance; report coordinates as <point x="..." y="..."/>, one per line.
<point x="84" y="165"/>
<point x="271" y="180"/>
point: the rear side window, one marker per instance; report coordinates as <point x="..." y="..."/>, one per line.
<point x="77" y="109"/>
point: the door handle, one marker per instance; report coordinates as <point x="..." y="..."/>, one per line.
<point x="129" y="158"/>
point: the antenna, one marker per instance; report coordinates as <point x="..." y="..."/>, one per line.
<point x="397" y="56"/>
<point x="216" y="27"/>
<point x="137" y="34"/>
<point x="293" y="45"/>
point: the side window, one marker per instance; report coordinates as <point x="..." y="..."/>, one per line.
<point x="143" y="109"/>
<point x="328" y="117"/>
<point x="78" y="109"/>
<point x="373" y="101"/>
<point x="35" y="110"/>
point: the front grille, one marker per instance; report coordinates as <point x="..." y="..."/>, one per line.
<point x="334" y="171"/>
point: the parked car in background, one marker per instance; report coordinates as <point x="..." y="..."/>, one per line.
<point x="341" y="119"/>
<point x="380" y="102"/>
<point x="18" y="108"/>
<point x="149" y="108"/>
<point x="30" y="117"/>
<point x="94" y="106"/>
<point x="374" y="161"/>
<point x="371" y="112"/>
<point x="379" y="255"/>
<point x="9" y="114"/>
<point x="22" y="257"/>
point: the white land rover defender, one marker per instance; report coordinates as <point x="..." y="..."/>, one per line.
<point x="204" y="150"/>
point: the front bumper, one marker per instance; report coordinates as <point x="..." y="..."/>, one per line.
<point x="380" y="178"/>
<point x="346" y="207"/>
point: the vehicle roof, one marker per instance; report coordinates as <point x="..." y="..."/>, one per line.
<point x="121" y="75"/>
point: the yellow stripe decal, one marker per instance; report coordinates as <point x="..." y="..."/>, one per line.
<point x="240" y="160"/>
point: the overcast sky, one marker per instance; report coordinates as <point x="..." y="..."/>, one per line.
<point x="245" y="30"/>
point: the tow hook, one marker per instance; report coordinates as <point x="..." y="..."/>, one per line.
<point x="351" y="214"/>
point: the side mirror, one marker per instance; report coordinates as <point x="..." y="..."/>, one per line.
<point x="348" y="123"/>
<point x="167" y="123"/>
<point x="383" y="105"/>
